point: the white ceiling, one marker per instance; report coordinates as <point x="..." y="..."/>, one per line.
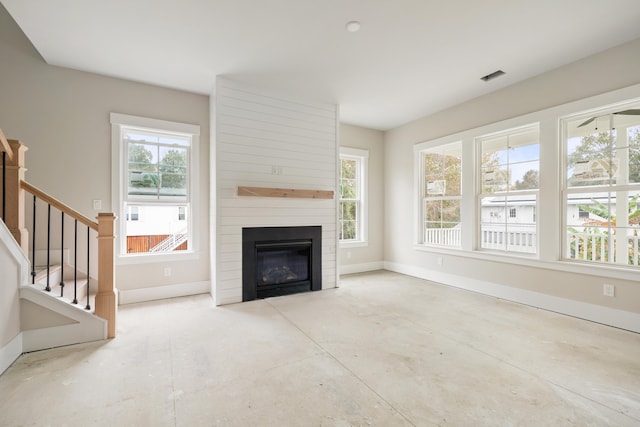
<point x="410" y="58"/>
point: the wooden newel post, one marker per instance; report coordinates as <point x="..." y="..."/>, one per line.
<point x="15" y="195"/>
<point x="106" y="303"/>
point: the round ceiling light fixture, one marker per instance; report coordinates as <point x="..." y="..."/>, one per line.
<point x="353" y="26"/>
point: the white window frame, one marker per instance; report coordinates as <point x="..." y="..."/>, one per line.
<point x="504" y="238"/>
<point x="361" y="157"/>
<point x="588" y="190"/>
<point x="551" y="227"/>
<point x="120" y="122"/>
<point x="423" y="191"/>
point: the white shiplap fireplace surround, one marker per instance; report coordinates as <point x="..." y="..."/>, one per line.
<point x="266" y="140"/>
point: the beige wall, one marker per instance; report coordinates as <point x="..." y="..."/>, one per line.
<point x="63" y="117"/>
<point x="613" y="69"/>
<point x="367" y="257"/>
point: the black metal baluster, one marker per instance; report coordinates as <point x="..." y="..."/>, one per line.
<point x="88" y="307"/>
<point x="75" y="263"/>
<point x="4" y="184"/>
<point x="61" y="254"/>
<point x="48" y="288"/>
<point x="33" y="245"/>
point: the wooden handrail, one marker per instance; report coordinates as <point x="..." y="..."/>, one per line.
<point x="4" y="145"/>
<point x="58" y="205"/>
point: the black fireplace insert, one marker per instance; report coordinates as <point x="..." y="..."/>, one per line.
<point x="280" y="261"/>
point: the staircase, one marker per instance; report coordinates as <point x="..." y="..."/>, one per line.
<point x="57" y="283"/>
<point x="171" y="242"/>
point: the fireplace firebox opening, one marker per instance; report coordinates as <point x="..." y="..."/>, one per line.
<point x="280" y="261"/>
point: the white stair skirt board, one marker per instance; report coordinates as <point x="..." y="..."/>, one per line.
<point x="131" y="296"/>
<point x="88" y="327"/>
<point x="361" y="268"/>
<point x="10" y="352"/>
<point x="592" y="312"/>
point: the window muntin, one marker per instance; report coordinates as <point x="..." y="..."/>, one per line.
<point x="509" y="183"/>
<point x="602" y="167"/>
<point x="352" y="191"/>
<point x="441" y="195"/>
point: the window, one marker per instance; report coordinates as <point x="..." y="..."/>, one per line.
<point x="509" y="182"/>
<point x="352" y="211"/>
<point x="154" y="180"/>
<point x="602" y="185"/>
<point x="441" y="172"/>
<point x="133" y="213"/>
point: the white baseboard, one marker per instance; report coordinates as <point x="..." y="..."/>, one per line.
<point x="595" y="313"/>
<point x="58" y="336"/>
<point x="361" y="268"/>
<point x="10" y="352"/>
<point x="131" y="296"/>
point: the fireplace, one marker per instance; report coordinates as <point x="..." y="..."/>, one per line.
<point x="280" y="261"/>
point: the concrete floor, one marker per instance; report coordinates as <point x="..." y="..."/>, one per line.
<point x="384" y="349"/>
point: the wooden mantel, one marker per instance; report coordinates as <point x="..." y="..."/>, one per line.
<point x="285" y="192"/>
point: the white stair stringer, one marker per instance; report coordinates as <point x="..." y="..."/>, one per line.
<point x="85" y="327"/>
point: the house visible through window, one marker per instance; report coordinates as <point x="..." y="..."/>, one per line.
<point x="155" y="170"/>
<point x="602" y="185"/>
<point x="352" y="186"/>
<point x="133" y="213"/>
<point x="509" y="183"/>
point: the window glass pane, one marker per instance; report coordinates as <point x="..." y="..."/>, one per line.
<point x="442" y="222"/>
<point x="494" y="179"/>
<point x="524" y="176"/>
<point x="156" y="229"/>
<point x="634" y="164"/>
<point x="494" y="151"/>
<point x="442" y="194"/>
<point x="442" y="173"/>
<point x="173" y="171"/>
<point x="142" y="168"/>
<point x="349" y="188"/>
<point x="508" y="223"/>
<point x="349" y="168"/>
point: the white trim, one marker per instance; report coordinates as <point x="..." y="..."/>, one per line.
<point x="87" y="326"/>
<point x="361" y="268"/>
<point x="7" y="239"/>
<point x="10" y="352"/>
<point x="58" y="336"/>
<point x="592" y="312"/>
<point x="132" y="296"/>
<point x="151" y="124"/>
<point x="589" y="269"/>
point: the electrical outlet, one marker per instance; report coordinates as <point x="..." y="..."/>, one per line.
<point x="608" y="290"/>
<point x="167" y="271"/>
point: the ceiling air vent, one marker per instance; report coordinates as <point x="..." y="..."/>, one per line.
<point x="492" y="75"/>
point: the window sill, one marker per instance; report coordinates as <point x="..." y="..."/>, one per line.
<point x="156" y="258"/>
<point x="529" y="260"/>
<point x="354" y="244"/>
